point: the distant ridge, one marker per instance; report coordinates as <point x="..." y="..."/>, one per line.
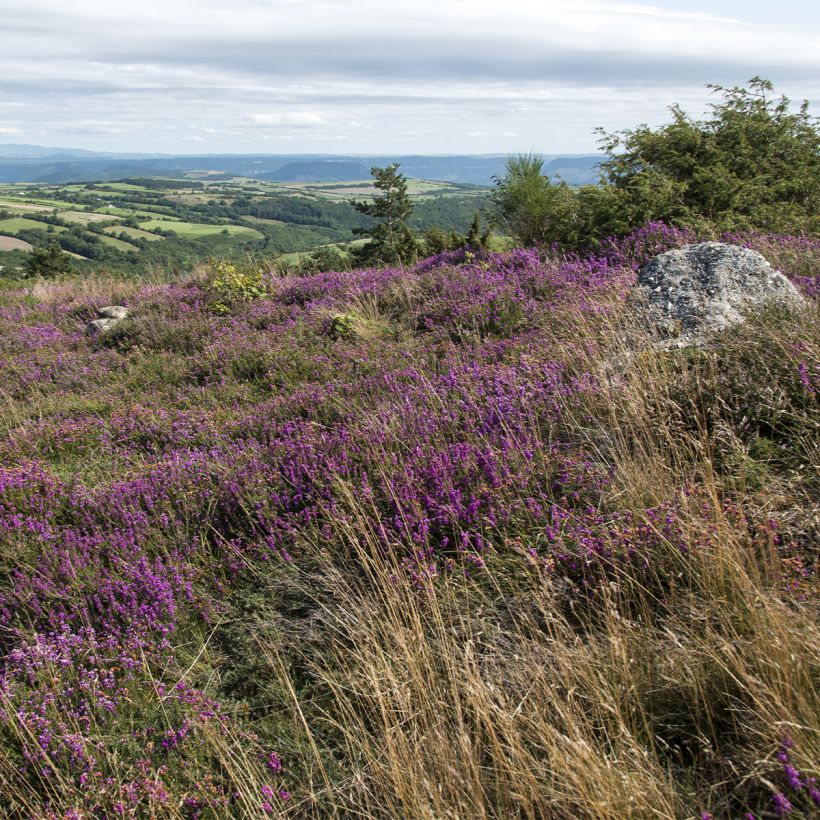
<point x="321" y="170"/>
<point x="31" y="163"/>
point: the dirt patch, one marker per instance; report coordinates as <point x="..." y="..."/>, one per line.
<point x="9" y="243"/>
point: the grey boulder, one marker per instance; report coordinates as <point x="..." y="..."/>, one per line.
<point x="112" y="312"/>
<point x="109" y="316"/>
<point x="98" y="326"/>
<point x="689" y="293"/>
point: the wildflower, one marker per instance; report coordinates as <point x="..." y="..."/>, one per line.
<point x="792" y="777"/>
<point x="274" y="762"/>
<point x="781" y="805"/>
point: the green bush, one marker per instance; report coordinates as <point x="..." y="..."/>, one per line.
<point x="231" y="285"/>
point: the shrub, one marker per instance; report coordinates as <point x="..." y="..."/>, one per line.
<point x="230" y="284"/>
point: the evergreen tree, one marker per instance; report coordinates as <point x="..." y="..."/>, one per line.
<point x="391" y="240"/>
<point x="754" y="163"/>
<point x="47" y="262"/>
<point x="529" y="206"/>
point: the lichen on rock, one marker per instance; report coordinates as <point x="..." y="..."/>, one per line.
<point x="689" y="293"/>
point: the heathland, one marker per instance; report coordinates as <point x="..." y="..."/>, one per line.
<point x="447" y="538"/>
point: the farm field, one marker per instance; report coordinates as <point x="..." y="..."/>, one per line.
<point x="16" y="224"/>
<point x="135" y="233"/>
<point x="119" y="244"/>
<point x="9" y="204"/>
<point x="85" y="217"/>
<point x="9" y="243"/>
<point x="195" y="230"/>
<point x="418" y="189"/>
<point x="211" y="215"/>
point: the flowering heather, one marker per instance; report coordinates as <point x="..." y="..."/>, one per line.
<point x="199" y="508"/>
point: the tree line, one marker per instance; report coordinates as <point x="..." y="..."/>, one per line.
<point x="752" y="164"/>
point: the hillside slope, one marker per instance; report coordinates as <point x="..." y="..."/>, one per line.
<point x="423" y="542"/>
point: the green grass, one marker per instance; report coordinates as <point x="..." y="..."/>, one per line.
<point x="113" y="242"/>
<point x="85" y="217"/>
<point x="49" y="203"/>
<point x="121" y="186"/>
<point x="20" y="223"/>
<point x="136" y="233"/>
<point x="297" y="256"/>
<point x="197" y="230"/>
<point x="114" y="210"/>
<point x="14" y="204"/>
<point x="257" y="220"/>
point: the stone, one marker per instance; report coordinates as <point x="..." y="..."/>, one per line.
<point x="98" y="326"/>
<point x="689" y="293"/>
<point x="109" y="316"/>
<point x="112" y="312"/>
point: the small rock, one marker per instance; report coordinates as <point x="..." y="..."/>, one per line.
<point x="112" y="312"/>
<point x="98" y="326"/>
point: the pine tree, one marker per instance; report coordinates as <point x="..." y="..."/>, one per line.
<point x="391" y="240"/>
<point x="47" y="262"/>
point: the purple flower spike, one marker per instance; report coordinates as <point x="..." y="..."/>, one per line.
<point x="781" y="805"/>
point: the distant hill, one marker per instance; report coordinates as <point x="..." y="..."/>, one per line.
<point x="15" y="150"/>
<point x="321" y="170"/>
<point x="30" y="163"/>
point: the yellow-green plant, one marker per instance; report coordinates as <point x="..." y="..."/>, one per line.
<point x="230" y="284"/>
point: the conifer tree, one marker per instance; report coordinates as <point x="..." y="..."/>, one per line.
<point x="391" y="240"/>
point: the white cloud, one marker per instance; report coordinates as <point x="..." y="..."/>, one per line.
<point x="296" y="119"/>
<point x="359" y="73"/>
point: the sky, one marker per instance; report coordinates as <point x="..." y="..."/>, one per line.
<point x="361" y="76"/>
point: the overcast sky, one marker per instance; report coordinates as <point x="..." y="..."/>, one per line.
<point x="361" y="76"/>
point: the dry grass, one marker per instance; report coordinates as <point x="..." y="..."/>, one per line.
<point x="662" y="692"/>
<point x="507" y="699"/>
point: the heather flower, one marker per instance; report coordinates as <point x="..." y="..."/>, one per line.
<point x="257" y="436"/>
<point x="792" y="777"/>
<point x="274" y="762"/>
<point x="781" y="805"/>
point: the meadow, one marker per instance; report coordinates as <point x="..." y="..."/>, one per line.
<point x="195" y="230"/>
<point x="452" y="540"/>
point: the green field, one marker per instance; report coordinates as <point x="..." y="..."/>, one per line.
<point x="120" y="186"/>
<point x="136" y="233"/>
<point x="104" y="222"/>
<point x="9" y="204"/>
<point x="113" y="242"/>
<point x="417" y="189"/>
<point x="25" y="198"/>
<point x="86" y="217"/>
<point x="114" y="210"/>
<point x="20" y="223"/>
<point x="196" y="230"/>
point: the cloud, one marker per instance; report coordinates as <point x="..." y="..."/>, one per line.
<point x="296" y="119"/>
<point x="357" y="72"/>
